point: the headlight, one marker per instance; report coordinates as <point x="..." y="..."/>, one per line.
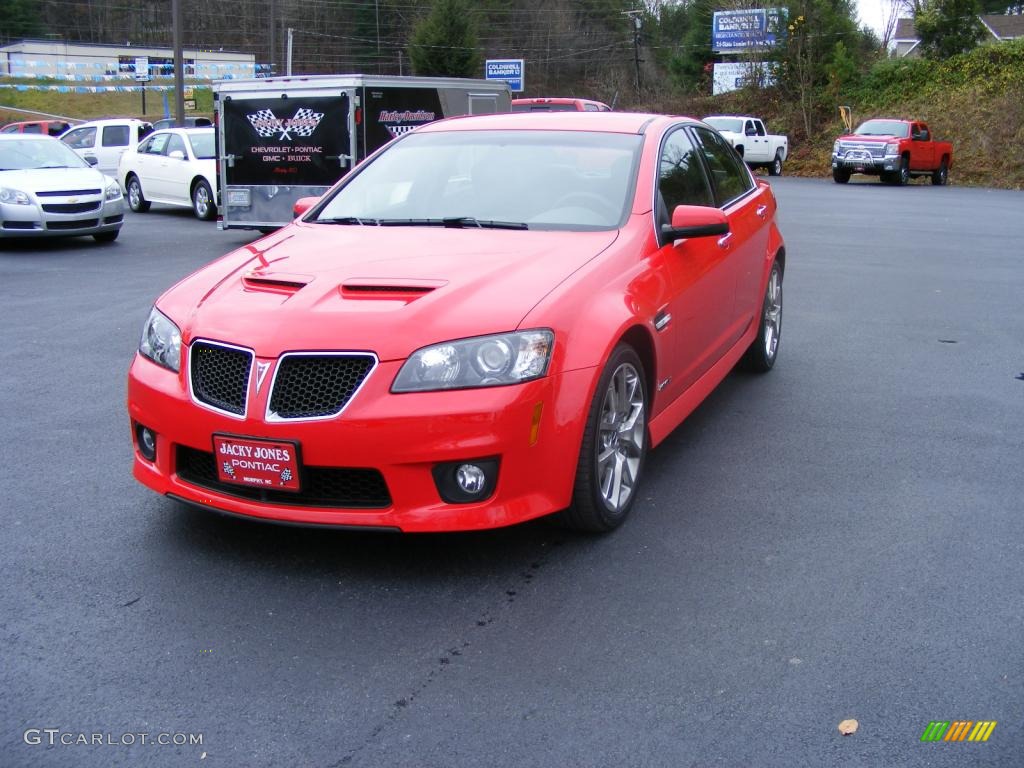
<point x="161" y="341"/>
<point x="484" y="361"/>
<point x="892" y="149"/>
<point x="835" y="148"/>
<point x="14" y="196"/>
<point x="113" y="191"/>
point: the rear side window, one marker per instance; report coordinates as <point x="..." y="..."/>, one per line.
<point x="729" y="176"/>
<point x="116" y="135"/>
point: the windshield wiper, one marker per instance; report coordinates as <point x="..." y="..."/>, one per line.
<point x="454" y="222"/>
<point x="350" y="220"/>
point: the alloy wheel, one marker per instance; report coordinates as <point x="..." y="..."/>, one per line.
<point x="621" y="435"/>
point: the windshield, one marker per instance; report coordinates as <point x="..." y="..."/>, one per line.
<point x="31" y="153"/>
<point x="202" y="145"/>
<point x="896" y="128"/>
<point x="730" y="124"/>
<point x="534" y="179"/>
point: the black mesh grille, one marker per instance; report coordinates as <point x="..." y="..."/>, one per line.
<point x="220" y="376"/>
<point x="83" y="224"/>
<point x="321" y="486"/>
<point x="307" y="386"/>
<point x="71" y="207"/>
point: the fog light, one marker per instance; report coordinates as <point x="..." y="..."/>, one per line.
<point x="145" y="439"/>
<point x="470" y="478"/>
<point x="463" y="482"/>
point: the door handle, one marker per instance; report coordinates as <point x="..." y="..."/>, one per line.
<point x="762" y="211"/>
<point x="725" y="243"/>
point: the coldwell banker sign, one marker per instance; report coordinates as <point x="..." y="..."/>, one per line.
<point x="744" y="31"/>
<point x="511" y="71"/>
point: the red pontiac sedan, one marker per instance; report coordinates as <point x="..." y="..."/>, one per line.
<point x="491" y="319"/>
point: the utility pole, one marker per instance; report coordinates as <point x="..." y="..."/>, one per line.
<point x="291" y="36"/>
<point x="273" y="37"/>
<point x="637" y="20"/>
<point x="179" y="66"/>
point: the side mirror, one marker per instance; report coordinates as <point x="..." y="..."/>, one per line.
<point x="92" y="159"/>
<point x="176" y="154"/>
<point x="695" y="221"/>
<point x="303" y="204"/>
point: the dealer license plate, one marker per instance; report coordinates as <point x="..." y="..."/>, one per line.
<point x="257" y="463"/>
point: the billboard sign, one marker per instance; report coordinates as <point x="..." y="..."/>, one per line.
<point x="511" y="71"/>
<point x="744" y="31"/>
<point x="142" y="68"/>
<point x="733" y="75"/>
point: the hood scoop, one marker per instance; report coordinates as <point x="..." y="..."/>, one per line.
<point x="388" y="289"/>
<point x="275" y="282"/>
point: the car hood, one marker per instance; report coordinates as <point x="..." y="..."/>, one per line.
<point x="55" y="179"/>
<point x="868" y="139"/>
<point x="390" y="290"/>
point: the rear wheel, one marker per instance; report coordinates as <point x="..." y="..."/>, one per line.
<point x="760" y="355"/>
<point x="202" y="201"/>
<point x="775" y="169"/>
<point x="614" y="446"/>
<point x="136" y="200"/>
<point x="840" y="175"/>
<point x="941" y="176"/>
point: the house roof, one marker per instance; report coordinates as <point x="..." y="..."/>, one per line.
<point x="1004" y="27"/>
<point x="1001" y="27"/>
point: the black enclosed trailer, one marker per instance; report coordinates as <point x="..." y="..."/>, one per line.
<point x="283" y="138"/>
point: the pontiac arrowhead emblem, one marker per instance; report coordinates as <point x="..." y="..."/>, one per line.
<point x="261" y="372"/>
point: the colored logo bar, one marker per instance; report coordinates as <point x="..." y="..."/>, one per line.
<point x="958" y="730"/>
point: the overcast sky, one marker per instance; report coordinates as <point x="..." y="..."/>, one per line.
<point x="873" y="12"/>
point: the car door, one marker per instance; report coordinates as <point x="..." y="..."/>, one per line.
<point x="922" y="150"/>
<point x="701" y="276"/>
<point x="83" y="141"/>
<point x="176" y="170"/>
<point x="147" y="164"/>
<point x="749" y="207"/>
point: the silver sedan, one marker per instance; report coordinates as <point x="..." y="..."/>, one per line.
<point x="46" y="190"/>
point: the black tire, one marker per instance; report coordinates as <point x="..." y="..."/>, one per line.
<point x="621" y="390"/>
<point x="107" y="237"/>
<point x="840" y="175"/>
<point x="762" y="353"/>
<point x="902" y="176"/>
<point x="941" y="176"/>
<point x="136" y="200"/>
<point x="203" y="201"/>
<point x="775" y="169"/>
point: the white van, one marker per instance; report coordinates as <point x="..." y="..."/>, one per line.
<point x="102" y="142"/>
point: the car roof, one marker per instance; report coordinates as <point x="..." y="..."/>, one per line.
<point x="111" y="121"/>
<point x="609" y="122"/>
<point x="733" y="117"/>
<point x="26" y="137"/>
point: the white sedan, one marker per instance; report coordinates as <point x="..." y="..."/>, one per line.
<point x="176" y="166"/>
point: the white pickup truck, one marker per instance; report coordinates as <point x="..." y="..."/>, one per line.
<point x="757" y="147"/>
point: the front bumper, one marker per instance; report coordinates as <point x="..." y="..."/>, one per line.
<point x="403" y="437"/>
<point x="865" y="163"/>
<point x="32" y="220"/>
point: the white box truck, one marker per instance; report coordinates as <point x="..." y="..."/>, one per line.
<point x="282" y="138"/>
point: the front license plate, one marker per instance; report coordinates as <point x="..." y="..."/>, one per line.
<point x="270" y="464"/>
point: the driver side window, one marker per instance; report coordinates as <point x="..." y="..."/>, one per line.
<point x="681" y="179"/>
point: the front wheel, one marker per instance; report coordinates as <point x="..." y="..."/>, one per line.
<point x="761" y="354"/>
<point x="614" y="446"/>
<point x="840" y="175"/>
<point x="202" y="201"/>
<point x="902" y="177"/>
<point x="775" y="169"/>
<point x="136" y="200"/>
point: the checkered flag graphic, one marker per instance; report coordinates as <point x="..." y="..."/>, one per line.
<point x="286" y="475"/>
<point x="305" y="122"/>
<point x="398" y="130"/>
<point x="265" y="123"/>
<point x="228" y="469"/>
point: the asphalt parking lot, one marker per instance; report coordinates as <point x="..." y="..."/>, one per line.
<point x="842" y="538"/>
